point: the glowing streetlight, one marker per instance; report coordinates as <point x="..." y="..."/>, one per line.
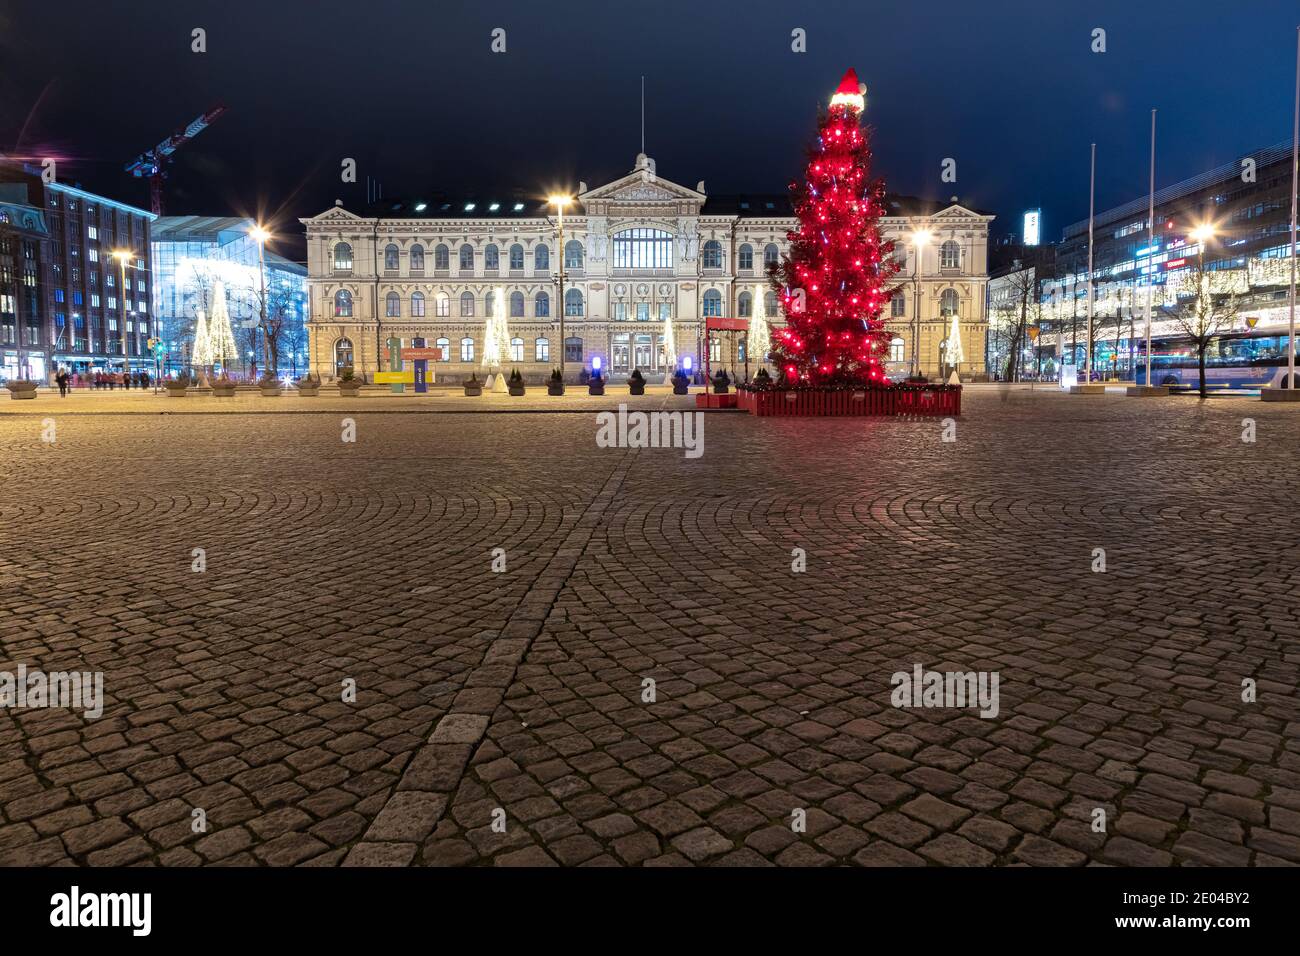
<point x="560" y="201"/>
<point x="1202" y="233"/>
<point x="260" y="235"/>
<point x="920" y="239"/>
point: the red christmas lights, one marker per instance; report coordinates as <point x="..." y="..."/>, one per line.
<point x="834" y="333"/>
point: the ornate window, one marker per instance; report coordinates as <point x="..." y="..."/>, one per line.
<point x="898" y="304"/>
<point x="342" y="355"/>
<point x="746" y="256"/>
<point x="542" y="349"/>
<point x="444" y="348"/>
<point x="467" y="303"/>
<point x="467" y="258"/>
<point x="745" y="305"/>
<point x="573" y="302"/>
<point x="442" y="305"/>
<point x="390" y="258"/>
<point x="711" y="258"/>
<point x="712" y="303"/>
<point x="417" y="304"/>
<point x="948" y="302"/>
<point x="643" y="249"/>
<point x="896" y="346"/>
<point x="490" y="303"/>
<point x="769" y="305"/>
<point x="516" y="305"/>
<point x="542" y="305"/>
<point x="467" y="349"/>
<point x="342" y="257"/>
<point x="517" y="257"/>
<point x="516" y="350"/>
<point x="343" y="303"/>
<point x="442" y="257"/>
<point x="950" y="255"/>
<point x="417" y="258"/>
<point x="491" y="257"/>
<point x="573" y="254"/>
<point x="392" y="305"/>
<point x="542" y="259"/>
<point x="771" y="255"/>
<point x="573" y="349"/>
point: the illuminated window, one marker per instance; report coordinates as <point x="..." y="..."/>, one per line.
<point x="342" y="257"/>
<point x="896" y="350"/>
<point x="444" y="350"/>
<point x="342" y="355"/>
<point x="516" y="350"/>
<point x="467" y="349"/>
<point x="643" y="249"/>
<point x="542" y="350"/>
<point x="442" y="305"/>
<point x="950" y="255"/>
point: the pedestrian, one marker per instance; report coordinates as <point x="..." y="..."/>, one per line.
<point x="62" y="379"/>
<point x="144" y="379"/>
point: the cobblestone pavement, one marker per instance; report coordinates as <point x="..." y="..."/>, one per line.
<point x="522" y="691"/>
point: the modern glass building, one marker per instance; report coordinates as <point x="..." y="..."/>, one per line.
<point x="191" y="254"/>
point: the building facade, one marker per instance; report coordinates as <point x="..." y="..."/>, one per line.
<point x="24" y="305"/>
<point x="643" y="259"/>
<point x="95" y="308"/>
<point x="191" y="254"/>
<point x="1248" y="207"/>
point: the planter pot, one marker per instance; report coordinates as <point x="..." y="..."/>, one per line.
<point x="349" y="389"/>
<point x="720" y="389"/>
<point x="474" y="390"/>
<point x="635" y="387"/>
<point x="516" y="390"/>
<point x="309" y="390"/>
<point x="554" y="388"/>
<point x="270" y="391"/>
<point x="176" y="390"/>
<point x="223" y="391"/>
<point x="596" y="387"/>
<point x="681" y="386"/>
<point x="21" y="389"/>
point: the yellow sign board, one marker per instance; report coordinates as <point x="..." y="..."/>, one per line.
<point x="396" y="378"/>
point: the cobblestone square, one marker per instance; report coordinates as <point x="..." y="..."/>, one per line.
<point x="501" y="716"/>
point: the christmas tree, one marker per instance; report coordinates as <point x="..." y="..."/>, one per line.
<point x="758" y="342"/>
<point x="221" y="340"/>
<point x="834" y="282"/>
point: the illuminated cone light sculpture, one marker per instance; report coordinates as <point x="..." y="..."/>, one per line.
<point x="220" y="338"/>
<point x="759" y="338"/>
<point x="834" y="283"/>
<point x="201" y="355"/>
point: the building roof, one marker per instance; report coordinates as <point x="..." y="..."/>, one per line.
<point x="23" y="217"/>
<point x="221" y="230"/>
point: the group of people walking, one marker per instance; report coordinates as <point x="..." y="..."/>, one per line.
<point x="110" y="380"/>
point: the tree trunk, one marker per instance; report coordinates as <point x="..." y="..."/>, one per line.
<point x="1200" y="361"/>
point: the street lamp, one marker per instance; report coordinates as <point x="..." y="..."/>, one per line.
<point x="560" y="201"/>
<point x="260" y="235"/>
<point x="121" y="255"/>
<point x="920" y="239"/>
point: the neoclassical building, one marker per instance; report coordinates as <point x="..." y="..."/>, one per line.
<point x="640" y="254"/>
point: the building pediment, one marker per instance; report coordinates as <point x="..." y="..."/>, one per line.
<point x="334" y="215"/>
<point x="641" y="188"/>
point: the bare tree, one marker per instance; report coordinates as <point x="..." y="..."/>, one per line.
<point x="1207" y="316"/>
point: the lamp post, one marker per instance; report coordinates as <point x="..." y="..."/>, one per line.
<point x="920" y="239"/>
<point x="559" y="202"/>
<point x="121" y="255"/>
<point x="260" y="235"/>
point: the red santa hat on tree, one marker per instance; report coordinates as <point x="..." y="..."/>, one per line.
<point x="851" y="93"/>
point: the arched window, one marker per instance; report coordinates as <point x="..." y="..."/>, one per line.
<point x="390" y="258"/>
<point x="392" y="305"/>
<point x="516" y="305"/>
<point x="444" y="348"/>
<point x="573" y="349"/>
<point x="771" y="255"/>
<point x="417" y="258"/>
<point x="517" y="257"/>
<point x="745" y="305"/>
<point x="898" y="304"/>
<point x="467" y="258"/>
<point x="442" y="305"/>
<point x="896" y="348"/>
<point x="342" y="355"/>
<point x="712" y="303"/>
<point x="948" y="302"/>
<point x="542" y="305"/>
<point x="769" y="305"/>
<point x="542" y="259"/>
<point x="467" y="349"/>
<point x="491" y="257"/>
<point x="343" y="303"/>
<point x="542" y="350"/>
<point x="573" y="302"/>
<point x="643" y="249"/>
<point x="442" y="257"/>
<point x="467" y="303"/>
<point x="746" y="257"/>
<point x="516" y="350"/>
<point x="712" y="256"/>
<point x="490" y="303"/>
<point x="573" y="254"/>
<point x="342" y="257"/>
<point x="417" y="304"/>
<point x="950" y="255"/>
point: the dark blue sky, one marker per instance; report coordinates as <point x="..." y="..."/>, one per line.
<point x="1009" y="88"/>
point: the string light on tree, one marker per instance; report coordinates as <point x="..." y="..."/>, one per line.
<point x="834" y="282"/>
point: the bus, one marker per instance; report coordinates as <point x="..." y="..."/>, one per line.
<point x="1234" y="360"/>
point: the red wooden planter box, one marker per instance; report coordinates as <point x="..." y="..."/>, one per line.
<point x="709" y="400"/>
<point x="892" y="400"/>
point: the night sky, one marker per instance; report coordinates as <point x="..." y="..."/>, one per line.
<point x="411" y="90"/>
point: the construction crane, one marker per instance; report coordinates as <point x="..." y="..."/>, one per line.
<point x="153" y="162"/>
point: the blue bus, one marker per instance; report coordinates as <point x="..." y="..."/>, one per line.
<point x="1234" y="360"/>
